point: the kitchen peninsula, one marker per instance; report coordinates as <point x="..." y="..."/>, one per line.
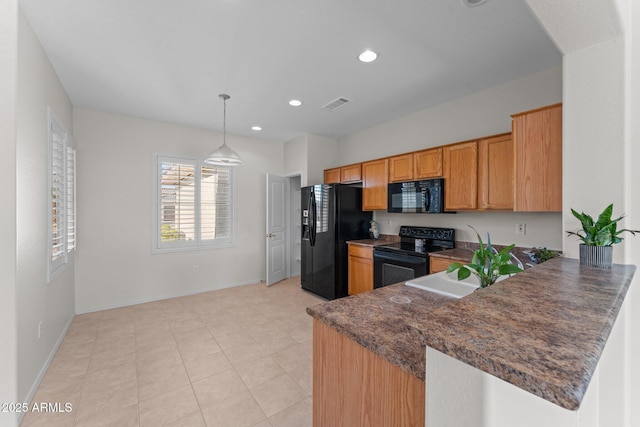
<point x="542" y="330"/>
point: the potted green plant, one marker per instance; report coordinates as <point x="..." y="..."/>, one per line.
<point x="598" y="237"/>
<point x="487" y="264"/>
<point x="540" y="255"/>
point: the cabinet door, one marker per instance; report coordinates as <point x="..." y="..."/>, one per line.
<point x="537" y="137"/>
<point x="495" y="172"/>
<point x="437" y="264"/>
<point x="360" y="269"/>
<point x="374" y="191"/>
<point x="401" y="168"/>
<point x="428" y="163"/>
<point x="461" y="176"/>
<point x="332" y="176"/>
<point x="351" y="173"/>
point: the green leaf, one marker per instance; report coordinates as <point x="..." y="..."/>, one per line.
<point x="463" y="273"/>
<point x="509" y="269"/>
<point x="605" y="217"/>
<point x="454" y="266"/>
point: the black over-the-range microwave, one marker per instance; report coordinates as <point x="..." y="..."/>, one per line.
<point x="426" y="196"/>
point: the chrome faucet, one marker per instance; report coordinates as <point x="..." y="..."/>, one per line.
<point x="520" y="265"/>
<point x="513" y="257"/>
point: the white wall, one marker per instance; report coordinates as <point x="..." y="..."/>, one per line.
<point x="295" y="262"/>
<point x="8" y="332"/>
<point x="53" y="303"/>
<point x="484" y="113"/>
<point x="321" y="154"/>
<point x="114" y="264"/>
<point x="295" y="158"/>
<point x="309" y="155"/>
<point x="632" y="199"/>
<point x="594" y="135"/>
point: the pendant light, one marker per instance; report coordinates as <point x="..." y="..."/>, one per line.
<point x="223" y="155"/>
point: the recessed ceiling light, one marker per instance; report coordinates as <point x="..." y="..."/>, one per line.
<point x="473" y="3"/>
<point x="295" y="103"/>
<point x="256" y="128"/>
<point x="367" y="56"/>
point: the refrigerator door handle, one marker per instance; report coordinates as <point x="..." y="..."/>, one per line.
<point x="312" y="218"/>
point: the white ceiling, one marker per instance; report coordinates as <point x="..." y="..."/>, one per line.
<point x="169" y="59"/>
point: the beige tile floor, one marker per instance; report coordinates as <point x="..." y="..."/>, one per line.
<point x="232" y="357"/>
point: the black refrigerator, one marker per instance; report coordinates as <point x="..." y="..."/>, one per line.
<point x="331" y="215"/>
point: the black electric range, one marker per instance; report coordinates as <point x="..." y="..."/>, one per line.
<point x="409" y="258"/>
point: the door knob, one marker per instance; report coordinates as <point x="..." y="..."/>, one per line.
<point x="270" y="235"/>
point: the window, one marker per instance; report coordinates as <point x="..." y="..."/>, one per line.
<point x="62" y="197"/>
<point x="194" y="205"/>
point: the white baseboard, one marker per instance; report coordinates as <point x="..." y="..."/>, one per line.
<point x="43" y="370"/>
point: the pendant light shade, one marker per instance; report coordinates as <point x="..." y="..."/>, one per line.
<point x="223" y="155"/>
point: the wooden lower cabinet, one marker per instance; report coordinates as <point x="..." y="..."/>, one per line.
<point x="352" y="386"/>
<point x="437" y="264"/>
<point x="360" y="269"/>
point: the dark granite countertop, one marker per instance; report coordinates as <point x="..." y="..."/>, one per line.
<point x="464" y="251"/>
<point x="384" y="239"/>
<point x="542" y="330"/>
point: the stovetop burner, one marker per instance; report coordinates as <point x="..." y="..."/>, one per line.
<point x="420" y="241"/>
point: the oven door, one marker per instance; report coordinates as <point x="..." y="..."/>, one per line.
<point x="391" y="267"/>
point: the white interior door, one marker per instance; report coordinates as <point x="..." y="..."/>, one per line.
<point x="276" y="235"/>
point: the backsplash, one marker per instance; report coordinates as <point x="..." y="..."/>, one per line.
<point x="542" y="229"/>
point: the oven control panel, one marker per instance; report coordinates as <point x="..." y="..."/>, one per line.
<point x="427" y="233"/>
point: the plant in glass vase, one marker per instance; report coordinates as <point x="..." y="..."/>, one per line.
<point x="487" y="263"/>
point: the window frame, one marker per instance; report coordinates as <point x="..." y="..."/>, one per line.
<point x="197" y="243"/>
<point x="66" y="200"/>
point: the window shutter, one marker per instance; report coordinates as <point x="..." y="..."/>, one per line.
<point x="58" y="226"/>
<point x="215" y="202"/>
<point x="177" y="201"/>
<point x="71" y="197"/>
<point x="194" y="207"/>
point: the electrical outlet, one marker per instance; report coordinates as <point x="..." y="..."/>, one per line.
<point x="521" y="228"/>
<point x="196" y="269"/>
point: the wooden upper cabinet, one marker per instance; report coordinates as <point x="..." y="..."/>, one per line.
<point x="461" y="176"/>
<point x="401" y="168"/>
<point x="428" y="163"/>
<point x="374" y="185"/>
<point x="332" y="176"/>
<point x="495" y="173"/>
<point x="351" y="173"/>
<point x="537" y="137"/>
<point x="344" y="174"/>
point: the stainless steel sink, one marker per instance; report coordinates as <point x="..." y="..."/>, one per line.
<point x="447" y="284"/>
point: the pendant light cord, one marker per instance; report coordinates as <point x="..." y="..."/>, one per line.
<point x="224" y="117"/>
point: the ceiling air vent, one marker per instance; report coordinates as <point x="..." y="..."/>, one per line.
<point x="338" y="102"/>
